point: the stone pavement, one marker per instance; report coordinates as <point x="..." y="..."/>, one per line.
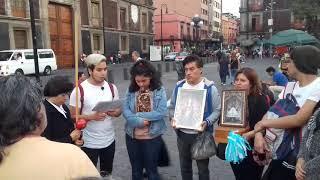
<point x="219" y="170"/>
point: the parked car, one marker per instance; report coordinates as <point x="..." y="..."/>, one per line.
<point x="181" y="56"/>
<point x="21" y="61"/>
<point x="171" y="56"/>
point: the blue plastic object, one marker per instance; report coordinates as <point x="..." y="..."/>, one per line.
<point x="236" y="149"/>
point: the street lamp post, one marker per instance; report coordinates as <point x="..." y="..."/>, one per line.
<point x="161" y="37"/>
<point x="197" y="23"/>
<point x="271" y="19"/>
<point x="34" y="40"/>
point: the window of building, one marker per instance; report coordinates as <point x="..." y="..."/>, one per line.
<point x="123" y="17"/>
<point x="144" y="22"/>
<point x="96" y="42"/>
<point x="124" y="43"/>
<point x="205" y="12"/>
<point x="216" y="24"/>
<point x="144" y="44"/>
<point x="188" y="31"/>
<point x="182" y="31"/>
<point x="18" y="8"/>
<point x="95" y="11"/>
<point x="20" y="39"/>
<point x="2" y="7"/>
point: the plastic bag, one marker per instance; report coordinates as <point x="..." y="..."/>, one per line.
<point x="237" y="148"/>
<point x="204" y="147"/>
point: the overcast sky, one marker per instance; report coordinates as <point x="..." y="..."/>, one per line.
<point x="231" y="6"/>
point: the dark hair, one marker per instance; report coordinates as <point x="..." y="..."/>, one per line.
<point x="270" y="69"/>
<point x="57" y="85"/>
<point x="80" y="74"/>
<point x="253" y="78"/>
<point x="306" y="59"/>
<point x="144" y="68"/>
<point x="20" y="103"/>
<point x="191" y="59"/>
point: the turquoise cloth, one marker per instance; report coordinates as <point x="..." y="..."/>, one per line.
<point x="236" y="149"/>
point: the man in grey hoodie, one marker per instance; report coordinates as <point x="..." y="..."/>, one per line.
<point x="186" y="137"/>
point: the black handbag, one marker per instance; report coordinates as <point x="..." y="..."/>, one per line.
<point x="221" y="151"/>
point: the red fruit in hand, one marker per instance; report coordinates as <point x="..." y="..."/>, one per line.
<point x="81" y="124"/>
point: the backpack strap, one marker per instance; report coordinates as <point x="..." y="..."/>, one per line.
<point x="289" y="88"/>
<point x="81" y="97"/>
<point x="111" y="89"/>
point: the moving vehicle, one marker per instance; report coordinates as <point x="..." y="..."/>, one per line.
<point x="181" y="56"/>
<point x="171" y="56"/>
<point x="21" y="61"/>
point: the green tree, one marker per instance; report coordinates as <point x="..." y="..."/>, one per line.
<point x="308" y="10"/>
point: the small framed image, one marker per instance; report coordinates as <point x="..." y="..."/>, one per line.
<point x="234" y="108"/>
<point x="189" y="109"/>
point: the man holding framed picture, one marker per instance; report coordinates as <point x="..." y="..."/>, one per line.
<point x="212" y="106"/>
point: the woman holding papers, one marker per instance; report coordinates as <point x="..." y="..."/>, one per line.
<point x="144" y="109"/>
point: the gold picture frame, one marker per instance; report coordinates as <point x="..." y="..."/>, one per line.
<point x="234" y="108"/>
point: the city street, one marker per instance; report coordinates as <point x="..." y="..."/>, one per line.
<point x="219" y="169"/>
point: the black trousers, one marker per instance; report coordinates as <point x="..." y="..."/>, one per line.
<point x="105" y="155"/>
<point x="248" y="169"/>
<point x="185" y="142"/>
<point x="277" y="171"/>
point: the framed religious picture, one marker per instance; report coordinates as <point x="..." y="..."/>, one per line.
<point x="189" y="109"/>
<point x="233" y="110"/>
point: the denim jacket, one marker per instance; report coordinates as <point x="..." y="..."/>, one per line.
<point x="156" y="116"/>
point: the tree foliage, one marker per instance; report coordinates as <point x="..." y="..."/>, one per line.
<point x="308" y="10"/>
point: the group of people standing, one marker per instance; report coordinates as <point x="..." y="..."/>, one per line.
<point x="30" y="123"/>
<point x="229" y="64"/>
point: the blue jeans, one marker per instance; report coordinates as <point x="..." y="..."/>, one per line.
<point x="144" y="154"/>
<point x="185" y="142"/>
<point x="233" y="74"/>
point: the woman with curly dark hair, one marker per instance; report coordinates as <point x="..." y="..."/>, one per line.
<point x="144" y="109"/>
<point x="24" y="154"/>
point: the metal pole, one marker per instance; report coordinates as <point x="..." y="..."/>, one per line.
<point x="103" y="35"/>
<point x="271" y="29"/>
<point x="161" y="40"/>
<point x="271" y="16"/>
<point x="34" y="41"/>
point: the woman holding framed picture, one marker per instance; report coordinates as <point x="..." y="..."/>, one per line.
<point x="247" y="79"/>
<point x="144" y="110"/>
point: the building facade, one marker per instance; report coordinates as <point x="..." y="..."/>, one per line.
<point x="255" y="20"/>
<point x="229" y="29"/>
<point x="178" y="34"/>
<point x="127" y="26"/>
<point x="215" y="19"/>
<point x="109" y="26"/>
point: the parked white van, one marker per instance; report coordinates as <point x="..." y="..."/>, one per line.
<point x="21" y="61"/>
